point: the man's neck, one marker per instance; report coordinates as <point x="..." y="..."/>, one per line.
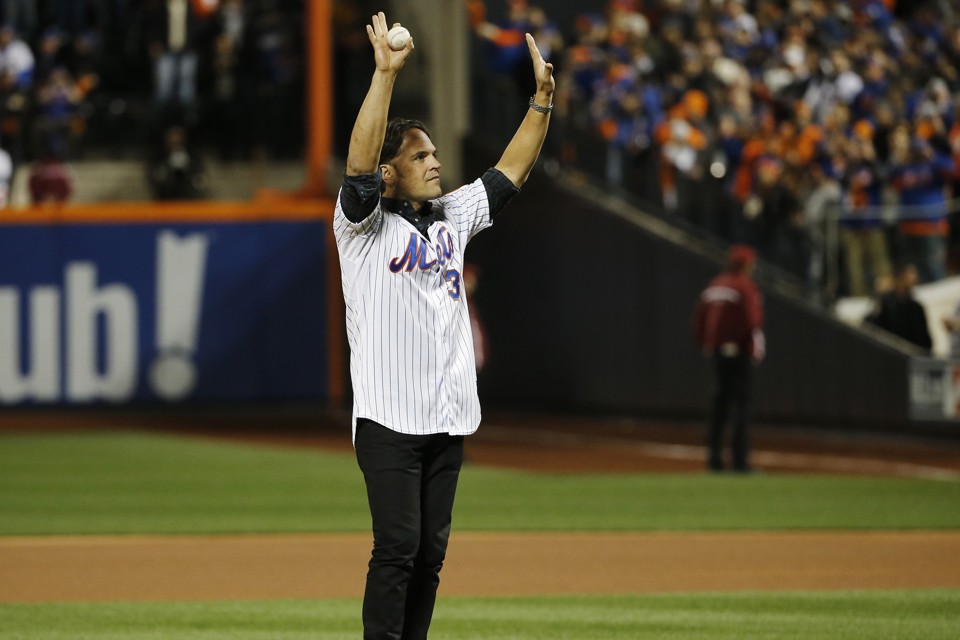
<point x="414" y="204"/>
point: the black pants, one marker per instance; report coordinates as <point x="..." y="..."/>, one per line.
<point x="411" y="481"/>
<point x="731" y="399"/>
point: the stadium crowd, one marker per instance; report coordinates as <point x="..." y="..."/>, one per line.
<point x="784" y="124"/>
<point x="127" y="76"/>
<point x="770" y="122"/>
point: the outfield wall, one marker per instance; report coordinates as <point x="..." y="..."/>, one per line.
<point x="121" y="303"/>
<point x="585" y="310"/>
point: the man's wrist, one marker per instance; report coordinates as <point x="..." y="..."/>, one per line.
<point x="385" y="75"/>
<point x="543" y="98"/>
<point x="541" y="103"/>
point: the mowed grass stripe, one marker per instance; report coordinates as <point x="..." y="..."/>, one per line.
<point x="134" y="482"/>
<point x="862" y="615"/>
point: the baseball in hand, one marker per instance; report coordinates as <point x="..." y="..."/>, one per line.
<point x="398" y="37"/>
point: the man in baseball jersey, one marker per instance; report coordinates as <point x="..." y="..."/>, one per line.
<point x="728" y="325"/>
<point x="401" y="244"/>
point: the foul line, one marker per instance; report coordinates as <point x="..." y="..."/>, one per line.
<point x="698" y="453"/>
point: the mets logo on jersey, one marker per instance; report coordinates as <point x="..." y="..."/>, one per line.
<point x="415" y="256"/>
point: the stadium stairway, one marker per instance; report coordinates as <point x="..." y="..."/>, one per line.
<point x="107" y="180"/>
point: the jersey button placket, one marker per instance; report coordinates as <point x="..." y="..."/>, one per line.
<point x="443" y="351"/>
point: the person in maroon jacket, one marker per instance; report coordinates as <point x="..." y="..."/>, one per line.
<point x="51" y="179"/>
<point x="728" y="325"/>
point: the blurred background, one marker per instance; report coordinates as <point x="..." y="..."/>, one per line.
<point x="110" y="87"/>
<point x="825" y="134"/>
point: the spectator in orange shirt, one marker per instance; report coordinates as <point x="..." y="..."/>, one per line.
<point x="681" y="142"/>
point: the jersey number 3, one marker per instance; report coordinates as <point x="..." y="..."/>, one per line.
<point x="452" y="276"/>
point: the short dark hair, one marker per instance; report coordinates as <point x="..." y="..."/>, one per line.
<point x="739" y="256"/>
<point x="396" y="129"/>
<point x="901" y="268"/>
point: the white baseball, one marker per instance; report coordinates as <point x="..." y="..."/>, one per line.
<point x="398" y="37"/>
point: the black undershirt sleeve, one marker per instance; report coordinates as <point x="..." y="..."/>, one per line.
<point x="360" y="195"/>
<point x="499" y="190"/>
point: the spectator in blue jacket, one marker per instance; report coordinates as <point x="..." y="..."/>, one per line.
<point x="921" y="178"/>
<point x="865" y="251"/>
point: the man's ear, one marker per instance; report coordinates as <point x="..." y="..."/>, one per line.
<point x="389" y="177"/>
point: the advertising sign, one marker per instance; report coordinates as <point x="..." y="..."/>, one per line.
<point x="163" y="312"/>
<point x="934" y="389"/>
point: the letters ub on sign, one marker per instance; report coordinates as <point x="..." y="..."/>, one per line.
<point x="118" y="313"/>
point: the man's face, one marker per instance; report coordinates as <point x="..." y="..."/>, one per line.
<point x="415" y="171"/>
<point x="908" y="278"/>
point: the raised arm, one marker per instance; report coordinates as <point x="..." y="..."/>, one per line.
<point x="520" y="155"/>
<point x="368" y="131"/>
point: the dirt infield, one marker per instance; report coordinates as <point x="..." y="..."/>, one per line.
<point x="325" y="566"/>
<point x="316" y="566"/>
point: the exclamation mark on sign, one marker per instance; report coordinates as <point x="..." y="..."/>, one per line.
<point x="181" y="265"/>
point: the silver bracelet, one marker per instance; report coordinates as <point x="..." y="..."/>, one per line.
<point x="538" y="108"/>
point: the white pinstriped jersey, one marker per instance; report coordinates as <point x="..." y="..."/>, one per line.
<point x="411" y="346"/>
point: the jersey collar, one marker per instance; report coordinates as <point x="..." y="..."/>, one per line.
<point x="420" y="220"/>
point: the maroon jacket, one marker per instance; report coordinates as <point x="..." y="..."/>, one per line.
<point x="50" y="181"/>
<point x="729" y="317"/>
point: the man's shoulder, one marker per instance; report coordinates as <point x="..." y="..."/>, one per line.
<point x="464" y="198"/>
<point x="359" y="196"/>
<point x="460" y="191"/>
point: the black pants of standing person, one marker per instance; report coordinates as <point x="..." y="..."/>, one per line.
<point x="731" y="400"/>
<point x="411" y="481"/>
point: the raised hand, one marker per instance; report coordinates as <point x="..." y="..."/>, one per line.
<point x="386" y="58"/>
<point x="520" y="155"/>
<point x="542" y="71"/>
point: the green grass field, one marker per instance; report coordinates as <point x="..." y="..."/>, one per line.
<point x="881" y="615"/>
<point x="103" y="483"/>
<point x="125" y="483"/>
